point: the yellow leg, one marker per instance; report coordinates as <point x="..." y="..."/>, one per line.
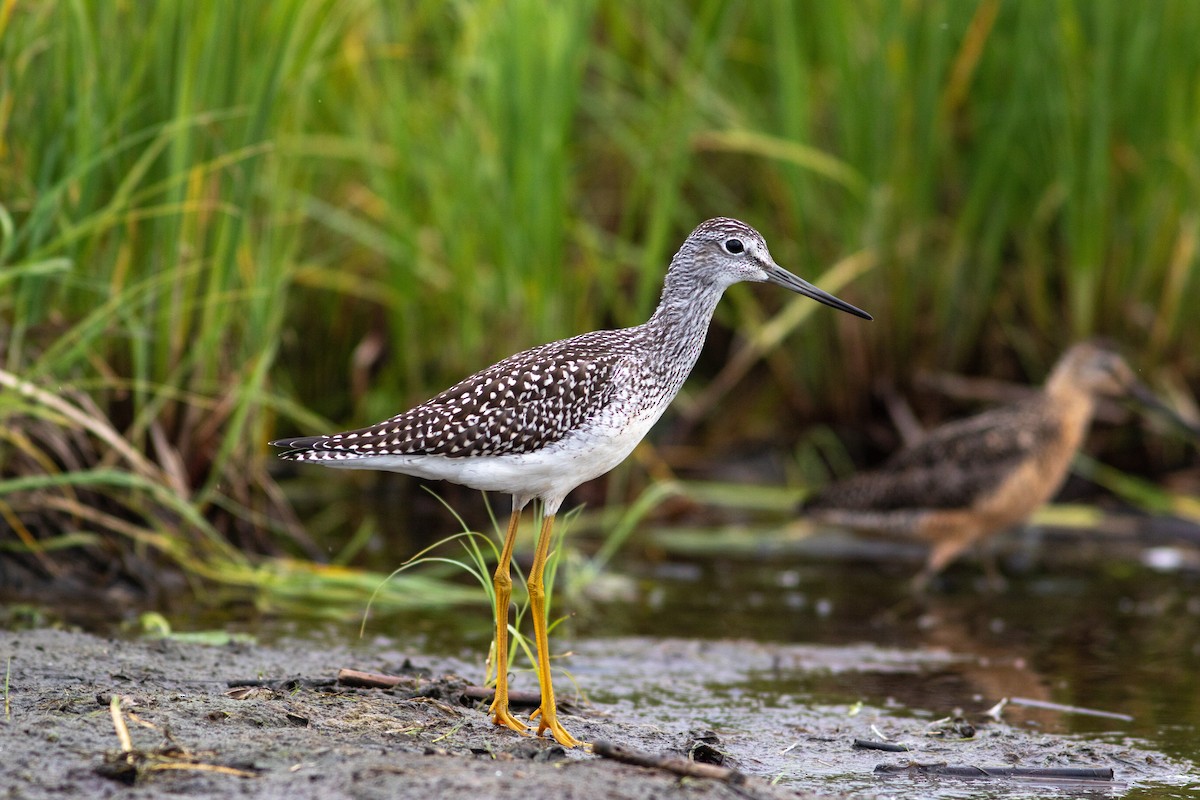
<point x="548" y="713"/>
<point x="501" y="715"/>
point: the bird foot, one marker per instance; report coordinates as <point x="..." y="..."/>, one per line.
<point x="502" y="716"/>
<point x="551" y="723"/>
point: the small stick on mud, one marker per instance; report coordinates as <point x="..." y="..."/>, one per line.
<point x="1039" y="773"/>
<point x="515" y="698"/>
<point x="675" y="764"/>
<point x="376" y="680"/>
<point x="371" y="680"/>
<point x="1091" y="712"/>
<point x="891" y="747"/>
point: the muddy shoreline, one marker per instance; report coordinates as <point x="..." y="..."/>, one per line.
<point x="269" y="721"/>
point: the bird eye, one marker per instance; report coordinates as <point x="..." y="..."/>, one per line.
<point x="734" y="246"/>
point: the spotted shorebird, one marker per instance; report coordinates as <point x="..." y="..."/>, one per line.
<point x="543" y="421"/>
<point x="971" y="478"/>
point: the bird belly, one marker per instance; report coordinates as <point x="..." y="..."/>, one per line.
<point x="1022" y="493"/>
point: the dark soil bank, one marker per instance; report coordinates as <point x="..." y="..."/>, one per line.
<point x="251" y="720"/>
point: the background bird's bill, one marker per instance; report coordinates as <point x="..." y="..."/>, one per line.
<point x="781" y="277"/>
<point x="1141" y="393"/>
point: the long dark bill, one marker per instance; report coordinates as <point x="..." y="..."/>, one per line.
<point x="1142" y="394"/>
<point x="781" y="277"/>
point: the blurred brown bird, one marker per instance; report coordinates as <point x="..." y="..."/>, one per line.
<point x="972" y="478"/>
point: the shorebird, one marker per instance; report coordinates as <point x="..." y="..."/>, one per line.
<point x="971" y="478"/>
<point x="543" y="421"/>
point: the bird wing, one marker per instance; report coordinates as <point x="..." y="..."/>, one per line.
<point x="950" y="468"/>
<point x="517" y="405"/>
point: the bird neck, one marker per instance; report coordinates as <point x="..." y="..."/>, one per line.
<point x="675" y="333"/>
<point x="1073" y="403"/>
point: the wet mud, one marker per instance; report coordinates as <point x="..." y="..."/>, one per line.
<point x="271" y="721"/>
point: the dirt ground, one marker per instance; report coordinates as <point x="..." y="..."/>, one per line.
<point x="269" y="721"/>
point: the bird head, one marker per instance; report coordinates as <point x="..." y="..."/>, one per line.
<point x="721" y="252"/>
<point x="1100" y="371"/>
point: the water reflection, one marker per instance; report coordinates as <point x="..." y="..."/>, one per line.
<point x="1123" y="639"/>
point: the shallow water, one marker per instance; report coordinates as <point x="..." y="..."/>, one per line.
<point x="1125" y="640"/>
<point x="1113" y="636"/>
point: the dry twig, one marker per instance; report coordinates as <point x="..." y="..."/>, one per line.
<point x="675" y="764"/>
<point x="1040" y="773"/>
